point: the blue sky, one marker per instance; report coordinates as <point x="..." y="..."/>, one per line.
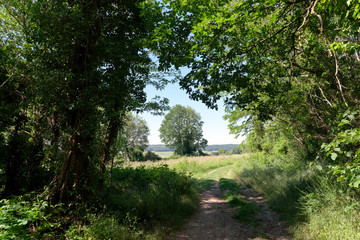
<point x="214" y="129"/>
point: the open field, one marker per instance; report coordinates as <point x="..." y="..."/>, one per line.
<point x="194" y="164"/>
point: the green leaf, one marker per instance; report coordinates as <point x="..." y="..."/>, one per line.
<point x="333" y="156"/>
<point x="357" y="183"/>
<point x="319" y="167"/>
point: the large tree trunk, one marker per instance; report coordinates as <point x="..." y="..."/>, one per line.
<point x="75" y="177"/>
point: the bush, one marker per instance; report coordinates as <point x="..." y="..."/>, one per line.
<point x="136" y="155"/>
<point x="315" y="206"/>
<point x="175" y="156"/>
<point x="222" y="151"/>
<point x="343" y="152"/>
<point x="105" y="226"/>
<point x="151" y="156"/>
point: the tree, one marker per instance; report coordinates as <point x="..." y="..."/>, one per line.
<point x="135" y="134"/>
<point x="182" y="130"/>
<point x="69" y="72"/>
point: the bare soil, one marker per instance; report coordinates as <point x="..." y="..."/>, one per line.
<point x="214" y="220"/>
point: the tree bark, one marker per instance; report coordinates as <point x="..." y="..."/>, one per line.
<point x="113" y="130"/>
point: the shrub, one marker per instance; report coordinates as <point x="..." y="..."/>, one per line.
<point x="343" y="151"/>
<point x="151" y="156"/>
<point x="222" y="151"/>
<point x="236" y="150"/>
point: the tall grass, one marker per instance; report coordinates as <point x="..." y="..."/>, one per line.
<point x="312" y="204"/>
<point x="140" y="203"/>
<point x="146" y="200"/>
<point x="155" y="194"/>
<point x="280" y="179"/>
<point x="331" y="212"/>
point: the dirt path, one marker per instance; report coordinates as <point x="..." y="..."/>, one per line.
<point x="213" y="220"/>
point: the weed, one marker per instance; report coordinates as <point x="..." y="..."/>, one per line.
<point x="205" y="184"/>
<point x="19" y="215"/>
<point x="280" y="180"/>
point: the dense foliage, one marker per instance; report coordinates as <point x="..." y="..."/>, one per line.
<point x="182" y="131"/>
<point x="70" y="72"/>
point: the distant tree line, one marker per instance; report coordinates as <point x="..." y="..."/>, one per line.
<point x="210" y="148"/>
<point x="217" y="147"/>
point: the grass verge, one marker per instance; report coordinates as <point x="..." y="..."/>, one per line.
<point x="312" y="204"/>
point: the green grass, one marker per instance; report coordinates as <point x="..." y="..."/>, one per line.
<point x="331" y="212"/>
<point x="220" y="169"/>
<point x="314" y="206"/>
<point x="154" y="194"/>
<point x="141" y="203"/>
<point x="245" y="210"/>
<point x="280" y="180"/>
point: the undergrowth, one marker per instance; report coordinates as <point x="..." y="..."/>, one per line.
<point x="149" y="202"/>
<point x="139" y="203"/>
